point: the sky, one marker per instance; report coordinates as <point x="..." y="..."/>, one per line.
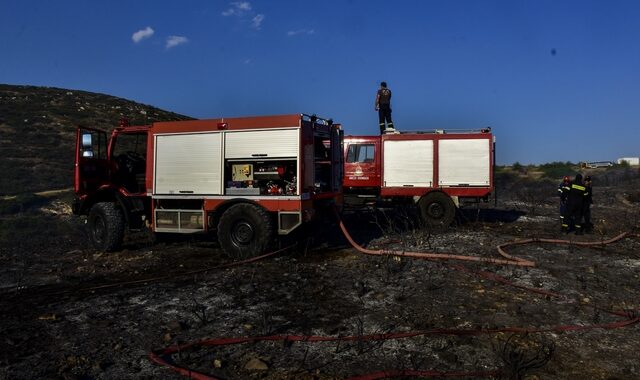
<point x="556" y="80"/>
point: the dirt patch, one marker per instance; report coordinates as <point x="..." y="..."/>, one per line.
<point x="53" y="327"/>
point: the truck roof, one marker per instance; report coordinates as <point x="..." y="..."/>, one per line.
<point x="231" y="123"/>
<point x="440" y="133"/>
<point x="437" y="132"/>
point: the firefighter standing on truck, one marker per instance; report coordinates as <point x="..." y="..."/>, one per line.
<point x="575" y="206"/>
<point x="383" y="106"/>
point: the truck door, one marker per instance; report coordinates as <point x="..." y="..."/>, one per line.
<point x="337" y="158"/>
<point x="91" y="164"/>
<point x="361" y="167"/>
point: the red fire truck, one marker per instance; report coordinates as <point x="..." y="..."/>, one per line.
<point x="245" y="178"/>
<point x="435" y="170"/>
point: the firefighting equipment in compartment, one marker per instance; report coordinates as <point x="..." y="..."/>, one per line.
<point x="243" y="172"/>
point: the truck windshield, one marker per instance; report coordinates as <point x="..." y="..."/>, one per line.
<point x="361" y="153"/>
<point x="131" y="142"/>
<point x="129" y="161"/>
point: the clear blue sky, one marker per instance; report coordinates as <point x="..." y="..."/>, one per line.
<point x="557" y="80"/>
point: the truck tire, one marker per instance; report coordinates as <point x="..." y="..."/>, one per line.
<point x="245" y="230"/>
<point x="106" y="226"/>
<point x="437" y="209"/>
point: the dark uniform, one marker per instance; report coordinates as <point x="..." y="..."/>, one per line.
<point x="563" y="192"/>
<point x="588" y="201"/>
<point x="383" y="106"/>
<point x="575" y="205"/>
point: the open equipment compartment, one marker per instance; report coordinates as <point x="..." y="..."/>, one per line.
<point x="261" y="177"/>
<point x="253" y="168"/>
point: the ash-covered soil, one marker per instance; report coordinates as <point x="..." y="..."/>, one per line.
<point x="65" y="316"/>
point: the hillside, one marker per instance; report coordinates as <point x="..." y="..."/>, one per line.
<point x="37" y="132"/>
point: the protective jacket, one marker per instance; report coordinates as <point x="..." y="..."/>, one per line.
<point x="563" y="191"/>
<point x="588" y="199"/>
<point x="577" y="195"/>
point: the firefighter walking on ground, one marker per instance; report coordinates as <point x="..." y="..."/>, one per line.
<point x="383" y="106"/>
<point x="563" y="192"/>
<point x="575" y="206"/>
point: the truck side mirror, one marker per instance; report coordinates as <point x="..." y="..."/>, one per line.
<point x="87" y="145"/>
<point x="86" y="141"/>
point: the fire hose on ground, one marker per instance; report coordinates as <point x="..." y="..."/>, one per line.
<point x="508" y="259"/>
<point x="163" y="356"/>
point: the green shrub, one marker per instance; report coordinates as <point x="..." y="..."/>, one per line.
<point x="558" y="169"/>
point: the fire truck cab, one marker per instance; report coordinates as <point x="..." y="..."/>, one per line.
<point x="435" y="170"/>
<point x="247" y="179"/>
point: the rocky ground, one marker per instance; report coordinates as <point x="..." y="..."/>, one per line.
<point x="73" y="313"/>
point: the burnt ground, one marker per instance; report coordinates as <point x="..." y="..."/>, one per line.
<point x="58" y="323"/>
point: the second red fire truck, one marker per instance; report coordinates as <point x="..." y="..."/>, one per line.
<point x="435" y="170"/>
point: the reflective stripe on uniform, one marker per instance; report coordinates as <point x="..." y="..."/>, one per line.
<point x="578" y="187"/>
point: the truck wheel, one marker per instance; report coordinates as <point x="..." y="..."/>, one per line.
<point x="244" y="231"/>
<point x="106" y="226"/>
<point x="437" y="209"/>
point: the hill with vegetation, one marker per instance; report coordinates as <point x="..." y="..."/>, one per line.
<point x="37" y="132"/>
